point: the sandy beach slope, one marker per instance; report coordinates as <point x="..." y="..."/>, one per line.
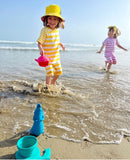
<point x="61" y="149"/>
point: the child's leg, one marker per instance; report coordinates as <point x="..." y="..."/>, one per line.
<point x="108" y="61"/>
<point x="57" y="73"/>
<point x="114" y="59"/>
<point x="54" y="79"/>
<point x="48" y="80"/>
<point x="109" y="66"/>
<point x="106" y="64"/>
<point x="49" y="72"/>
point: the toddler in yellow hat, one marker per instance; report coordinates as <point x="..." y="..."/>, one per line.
<point x="49" y="41"/>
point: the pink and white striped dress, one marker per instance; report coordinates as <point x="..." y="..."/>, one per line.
<point x="110" y="44"/>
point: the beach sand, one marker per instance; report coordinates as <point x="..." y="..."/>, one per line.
<point x="62" y="149"/>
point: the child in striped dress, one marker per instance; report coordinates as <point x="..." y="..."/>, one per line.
<point x="49" y="41"/>
<point x="109" y="44"/>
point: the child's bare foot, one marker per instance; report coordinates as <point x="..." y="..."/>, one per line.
<point x="108" y="70"/>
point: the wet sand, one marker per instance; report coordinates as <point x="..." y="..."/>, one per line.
<point x="61" y="149"/>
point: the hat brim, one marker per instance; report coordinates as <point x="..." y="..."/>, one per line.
<point x="52" y="14"/>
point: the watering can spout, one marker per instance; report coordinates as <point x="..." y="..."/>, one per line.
<point x="36" y="60"/>
<point x="46" y="154"/>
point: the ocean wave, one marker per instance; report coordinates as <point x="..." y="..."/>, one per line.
<point x="34" y="43"/>
<point x="80" y="45"/>
<point x="22" y="45"/>
<point x="26" y="46"/>
<point x="80" y="49"/>
<point x="61" y="127"/>
<point x="17" y="42"/>
<point x="19" y="48"/>
<point x="36" y="48"/>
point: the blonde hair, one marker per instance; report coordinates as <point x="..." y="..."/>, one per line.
<point x="118" y="32"/>
<point x="59" y="25"/>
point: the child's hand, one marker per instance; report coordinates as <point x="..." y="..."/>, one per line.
<point x="101" y="49"/>
<point x="63" y="48"/>
<point x="42" y="52"/>
<point x="98" y="52"/>
<point x="126" y="49"/>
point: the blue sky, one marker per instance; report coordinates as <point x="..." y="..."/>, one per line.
<point x="86" y="20"/>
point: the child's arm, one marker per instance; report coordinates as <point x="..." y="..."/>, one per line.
<point x="101" y="49"/>
<point x="63" y="47"/>
<point x="40" y="48"/>
<point x="122" y="47"/>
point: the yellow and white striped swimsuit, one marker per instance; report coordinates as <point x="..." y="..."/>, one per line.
<point x="49" y="39"/>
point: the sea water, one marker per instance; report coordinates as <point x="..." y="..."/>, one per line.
<point x="87" y="102"/>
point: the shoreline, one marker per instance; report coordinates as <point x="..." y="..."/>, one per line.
<point x="62" y="149"/>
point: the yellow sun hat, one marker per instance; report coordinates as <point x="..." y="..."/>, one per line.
<point x="114" y="27"/>
<point x="53" y="10"/>
<point x="117" y="31"/>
